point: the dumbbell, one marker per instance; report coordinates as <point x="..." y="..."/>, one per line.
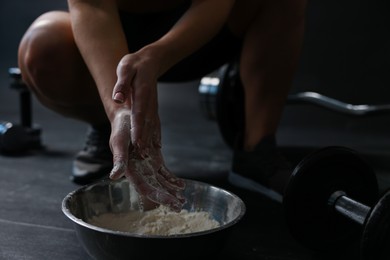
<point x="19" y="138"/>
<point x="332" y="198"/>
<point x="222" y="99"/>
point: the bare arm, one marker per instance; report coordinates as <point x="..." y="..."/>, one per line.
<point x="102" y="43"/>
<point x="197" y="26"/>
<point x="135" y="136"/>
<point x="141" y="70"/>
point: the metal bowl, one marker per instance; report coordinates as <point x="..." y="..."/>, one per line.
<point x="119" y="196"/>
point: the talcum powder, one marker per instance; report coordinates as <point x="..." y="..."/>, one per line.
<point x="159" y="221"/>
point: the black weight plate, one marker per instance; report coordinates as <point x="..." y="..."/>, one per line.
<point x="375" y="242"/>
<point x="310" y="220"/>
<point x="230" y="104"/>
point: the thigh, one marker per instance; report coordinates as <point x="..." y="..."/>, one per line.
<point x="53" y="68"/>
<point x="245" y="12"/>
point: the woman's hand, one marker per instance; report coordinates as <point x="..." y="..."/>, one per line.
<point x="136" y="134"/>
<point x="136" y="88"/>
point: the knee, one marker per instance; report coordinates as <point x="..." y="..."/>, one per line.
<point x="41" y="45"/>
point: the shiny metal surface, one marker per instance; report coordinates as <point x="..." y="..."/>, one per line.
<point x="119" y="196"/>
<point x="337" y="105"/>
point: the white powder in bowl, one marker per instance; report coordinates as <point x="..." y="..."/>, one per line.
<point x="159" y="221"/>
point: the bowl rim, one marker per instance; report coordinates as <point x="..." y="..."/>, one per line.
<point x="80" y="222"/>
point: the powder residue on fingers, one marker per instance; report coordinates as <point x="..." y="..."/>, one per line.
<point x="159" y="221"/>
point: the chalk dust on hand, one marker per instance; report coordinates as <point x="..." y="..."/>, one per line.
<point x="159" y="221"/>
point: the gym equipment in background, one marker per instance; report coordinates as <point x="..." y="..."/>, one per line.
<point x="222" y="99"/>
<point x="332" y="199"/>
<point x="19" y="138"/>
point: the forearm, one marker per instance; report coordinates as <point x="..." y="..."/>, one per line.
<point x="97" y="31"/>
<point x="102" y="43"/>
<point x="196" y="27"/>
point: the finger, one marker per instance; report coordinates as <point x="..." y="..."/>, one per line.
<point x="120" y="143"/>
<point x="153" y="197"/>
<point x="171" y="180"/>
<point x="142" y="189"/>
<point x="172" y="189"/>
<point x="143" y="177"/>
<point x="180" y="196"/>
<point x="140" y="172"/>
<point x="166" y="199"/>
<point x="164" y="195"/>
<point x="122" y="89"/>
<point x="166" y="180"/>
<point x="146" y="204"/>
<point x="164" y="176"/>
<point x="144" y="109"/>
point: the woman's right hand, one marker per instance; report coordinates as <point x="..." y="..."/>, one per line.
<point x="136" y="133"/>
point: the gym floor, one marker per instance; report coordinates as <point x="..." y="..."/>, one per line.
<point x="346" y="55"/>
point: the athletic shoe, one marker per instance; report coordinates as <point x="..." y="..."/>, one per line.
<point x="263" y="170"/>
<point x="94" y="161"/>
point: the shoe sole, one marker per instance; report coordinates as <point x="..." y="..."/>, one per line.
<point x="248" y="184"/>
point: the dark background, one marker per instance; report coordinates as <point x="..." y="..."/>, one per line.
<point x="346" y="55"/>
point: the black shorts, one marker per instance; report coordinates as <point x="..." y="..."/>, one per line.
<point x="142" y="29"/>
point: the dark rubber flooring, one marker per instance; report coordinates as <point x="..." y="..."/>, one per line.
<point x="32" y="186"/>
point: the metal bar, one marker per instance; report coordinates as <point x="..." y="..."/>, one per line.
<point x="350" y="208"/>
<point x="25" y="108"/>
<point x="336" y="105"/>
